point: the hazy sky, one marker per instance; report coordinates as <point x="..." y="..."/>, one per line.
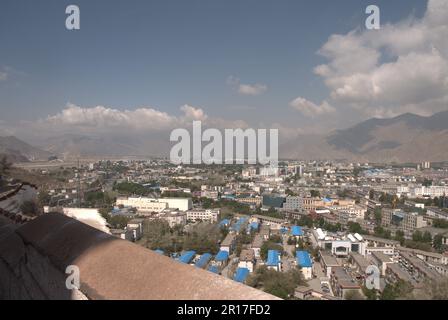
<point x="296" y="65"/>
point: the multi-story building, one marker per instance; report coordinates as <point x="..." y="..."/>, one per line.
<point x="293" y="203"/>
<point x="311" y="203"/>
<point x="211" y="215"/>
<point x="173" y="217"/>
<point x="252" y="201"/>
<point x="430" y="191"/>
<point x="149" y="205"/>
<point x="342" y="282"/>
<point x="395" y="219"/>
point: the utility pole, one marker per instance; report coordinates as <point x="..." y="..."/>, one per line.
<point x="78" y="191"/>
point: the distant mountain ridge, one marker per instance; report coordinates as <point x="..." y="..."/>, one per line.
<point x="404" y="138"/>
<point x="354" y="138"/>
<point x="19" y="151"/>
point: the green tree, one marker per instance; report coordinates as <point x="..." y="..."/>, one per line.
<point x="440" y="223"/>
<point x="315" y="193"/>
<point x="398" y="290"/>
<point x="280" y="284"/>
<point x="370" y="294"/>
<point x="399" y="236"/>
<point x="427" y="238"/>
<point x="354" y="227"/>
<point x="353" y="295"/>
<point x="378" y="216"/>
<point x="438" y="242"/>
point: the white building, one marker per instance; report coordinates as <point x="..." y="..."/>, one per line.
<point x="147" y="205"/>
<point x="211" y="215"/>
<point x="173" y="217"/>
<point x="247" y="259"/>
<point x="136" y="226"/>
<point x="340" y="246"/>
<point x="430" y="191"/>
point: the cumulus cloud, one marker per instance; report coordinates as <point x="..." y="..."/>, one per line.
<point x="101" y="119"/>
<point x="193" y="113"/>
<point x="246" y="89"/>
<point x="401" y="67"/>
<point x="310" y="109"/>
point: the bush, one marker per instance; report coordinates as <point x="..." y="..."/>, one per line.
<point x="280" y="284"/>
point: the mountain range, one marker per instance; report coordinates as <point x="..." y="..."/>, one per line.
<point x="405" y="138"/>
<point x="18" y="151"/>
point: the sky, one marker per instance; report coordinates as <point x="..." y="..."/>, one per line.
<point x="300" y="66"/>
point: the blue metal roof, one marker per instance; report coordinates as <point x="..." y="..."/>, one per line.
<point x="213" y="269"/>
<point x="273" y="258"/>
<point x="303" y="259"/>
<point x="237" y="225"/>
<point x="203" y="260"/>
<point x="241" y="274"/>
<point x="253" y="226"/>
<point x="187" y="256"/>
<point x="222" y="256"/>
<point x="224" y="222"/>
<point x="296" y="231"/>
<point x="326" y="199"/>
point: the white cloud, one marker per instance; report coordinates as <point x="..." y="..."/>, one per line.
<point x="252" y="90"/>
<point x="105" y="119"/>
<point x="310" y="109"/>
<point x="401" y="67"/>
<point x="193" y="113"/>
<point x="246" y="89"/>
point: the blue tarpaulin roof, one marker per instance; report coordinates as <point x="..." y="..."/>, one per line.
<point x="273" y="258"/>
<point x="296" y="231"/>
<point x="303" y="259"/>
<point x="241" y="274"/>
<point x="159" y="251"/>
<point x="203" y="260"/>
<point x="187" y="256"/>
<point x="284" y="230"/>
<point x="222" y="256"/>
<point x="213" y="269"/>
